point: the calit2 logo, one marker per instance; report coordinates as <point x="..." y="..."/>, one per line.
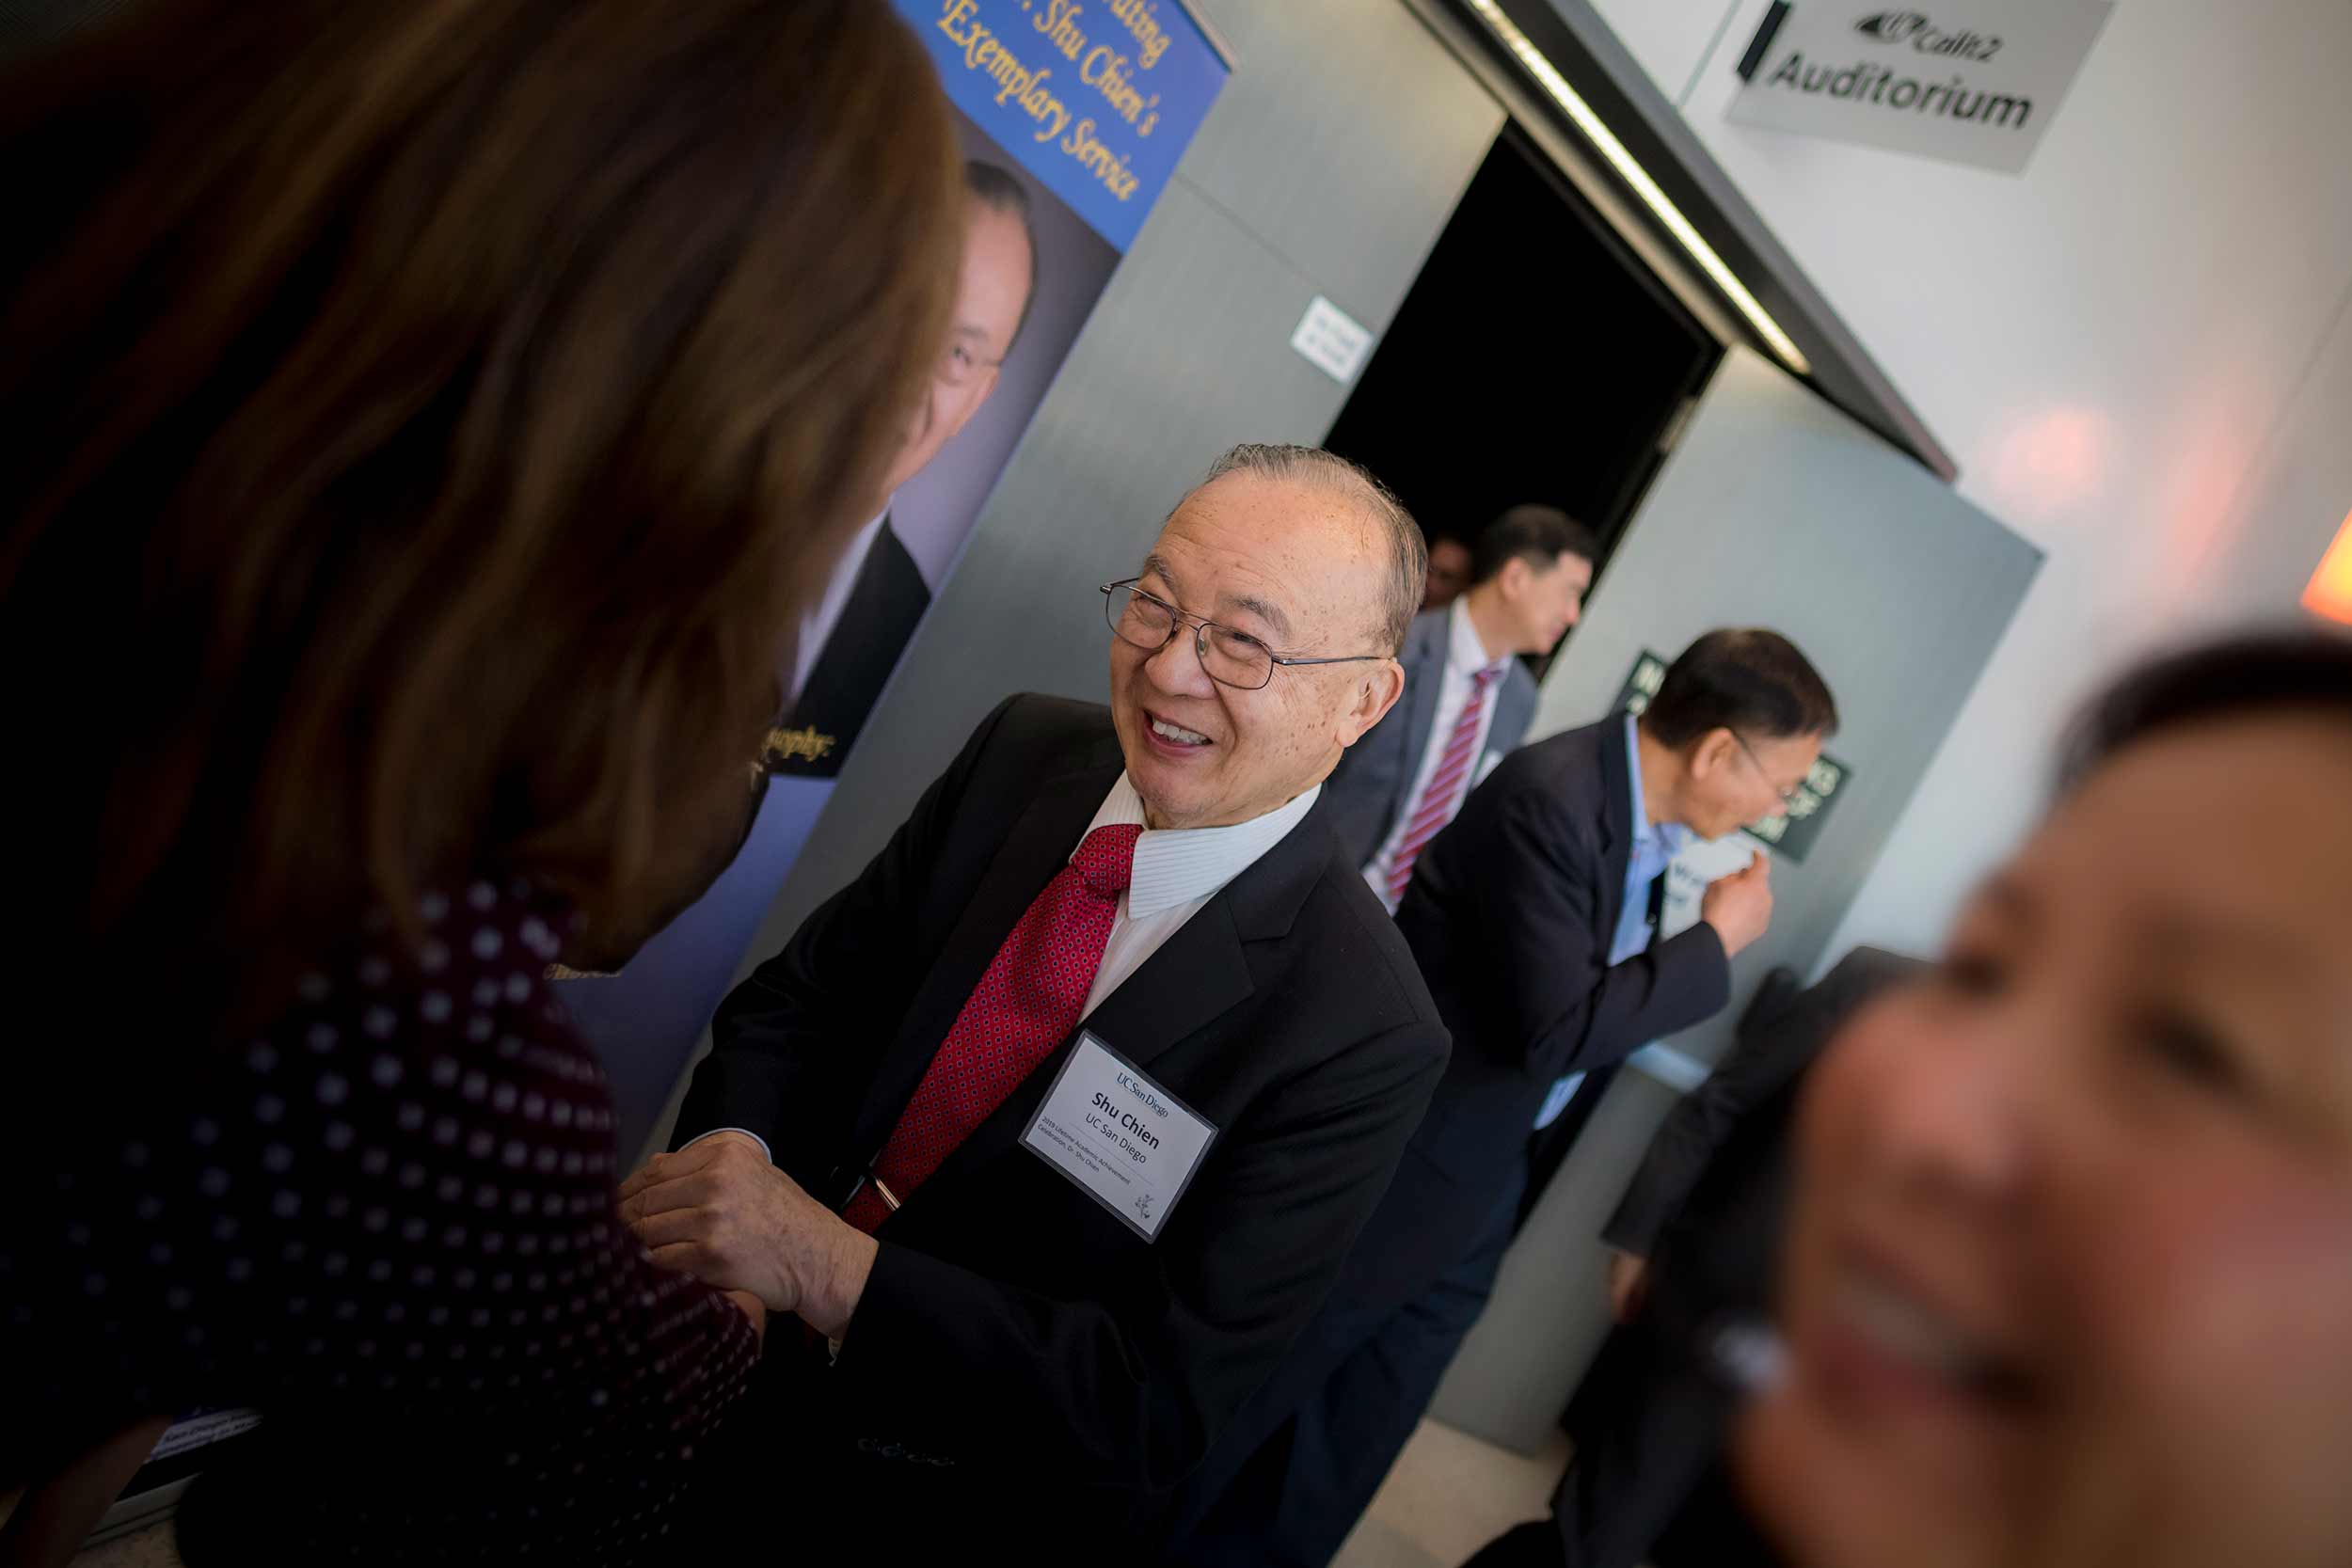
<point x="1892" y="26"/>
<point x="1919" y="31"/>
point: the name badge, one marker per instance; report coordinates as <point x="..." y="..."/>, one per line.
<point x="1127" y="1142"/>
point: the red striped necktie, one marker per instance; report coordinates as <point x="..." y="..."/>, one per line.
<point x="1025" y="1006"/>
<point x="1442" y="796"/>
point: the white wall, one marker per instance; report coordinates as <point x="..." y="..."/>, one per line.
<point x="2297" y="495"/>
<point x="2139" y="352"/>
<point x="1672" y="38"/>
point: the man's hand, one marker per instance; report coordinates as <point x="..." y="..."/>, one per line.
<point x="722" y="1213"/>
<point x="1740" y="906"/>
<point x="1628" y="1285"/>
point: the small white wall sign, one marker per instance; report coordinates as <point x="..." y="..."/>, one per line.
<point x="1331" y="340"/>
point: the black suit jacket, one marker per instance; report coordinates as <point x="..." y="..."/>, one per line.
<point x="1014" y="1335"/>
<point x="885" y="605"/>
<point x="1512" y="911"/>
<point x="1710" y="1191"/>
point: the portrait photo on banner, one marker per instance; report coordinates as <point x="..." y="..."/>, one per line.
<point x="1033" y="267"/>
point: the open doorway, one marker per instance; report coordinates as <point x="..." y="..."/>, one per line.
<point x="1535" y="359"/>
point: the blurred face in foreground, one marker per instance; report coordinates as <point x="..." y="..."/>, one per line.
<point x="2069" y="1269"/>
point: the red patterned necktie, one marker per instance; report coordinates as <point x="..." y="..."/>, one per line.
<point x="1444" y="793"/>
<point x="1024" y="1007"/>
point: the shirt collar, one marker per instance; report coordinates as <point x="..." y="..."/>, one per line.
<point x="1668" y="837"/>
<point x="1464" y="651"/>
<point x="1181" y="865"/>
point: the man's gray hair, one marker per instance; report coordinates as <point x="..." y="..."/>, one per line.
<point x="1408" y="554"/>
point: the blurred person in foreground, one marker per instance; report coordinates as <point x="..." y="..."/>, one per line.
<point x="2069" y="1273"/>
<point x="426" y="424"/>
<point x="1695" y="1244"/>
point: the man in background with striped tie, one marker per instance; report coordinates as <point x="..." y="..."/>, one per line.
<point x="1468" y="699"/>
<point x="1533" y="917"/>
<point x="1054" y="1126"/>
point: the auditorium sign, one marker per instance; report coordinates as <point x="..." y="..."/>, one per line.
<point x="1967" y="81"/>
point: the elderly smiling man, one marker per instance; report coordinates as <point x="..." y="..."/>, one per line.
<point x="1057" y="1122"/>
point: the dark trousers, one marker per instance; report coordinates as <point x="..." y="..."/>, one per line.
<point x="1647" y="1483"/>
<point x="1298" y="1465"/>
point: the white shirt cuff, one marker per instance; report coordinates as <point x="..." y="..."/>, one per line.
<point x="766" y="1153"/>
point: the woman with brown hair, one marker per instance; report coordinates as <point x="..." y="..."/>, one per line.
<point x="2068" y="1277"/>
<point x="425" y="419"/>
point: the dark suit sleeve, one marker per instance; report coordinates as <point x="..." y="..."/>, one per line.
<point x="1759" y="1064"/>
<point x="1131" y="1394"/>
<point x="828" y="992"/>
<point x="1540" y="916"/>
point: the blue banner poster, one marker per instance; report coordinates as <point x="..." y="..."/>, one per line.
<point x="1097" y="98"/>
<point x="1072" y="114"/>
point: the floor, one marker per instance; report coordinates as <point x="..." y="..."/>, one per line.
<point x="1448" y="1494"/>
<point x="146" y="1547"/>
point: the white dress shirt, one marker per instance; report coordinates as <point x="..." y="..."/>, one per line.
<point x="817" y="626"/>
<point x="1465" y="657"/>
<point x="1177" y="870"/>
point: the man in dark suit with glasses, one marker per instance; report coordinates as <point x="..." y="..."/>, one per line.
<point x="1532" y="916"/>
<point x="1054" y="1125"/>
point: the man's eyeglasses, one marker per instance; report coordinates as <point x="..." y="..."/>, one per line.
<point x="1231" y="657"/>
<point x="1788" y="795"/>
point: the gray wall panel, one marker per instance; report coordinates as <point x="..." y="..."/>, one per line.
<point x="1344" y="131"/>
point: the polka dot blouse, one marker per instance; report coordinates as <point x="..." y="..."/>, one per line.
<point x="388" y="1221"/>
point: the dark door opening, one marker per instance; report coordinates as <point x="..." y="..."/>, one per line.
<point x="1535" y="359"/>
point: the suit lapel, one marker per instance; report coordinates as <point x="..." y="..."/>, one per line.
<point x="1425" y="674"/>
<point x="1616" y="825"/>
<point x="1197" y="974"/>
<point x="1200" y="973"/>
<point x="1032" y="854"/>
